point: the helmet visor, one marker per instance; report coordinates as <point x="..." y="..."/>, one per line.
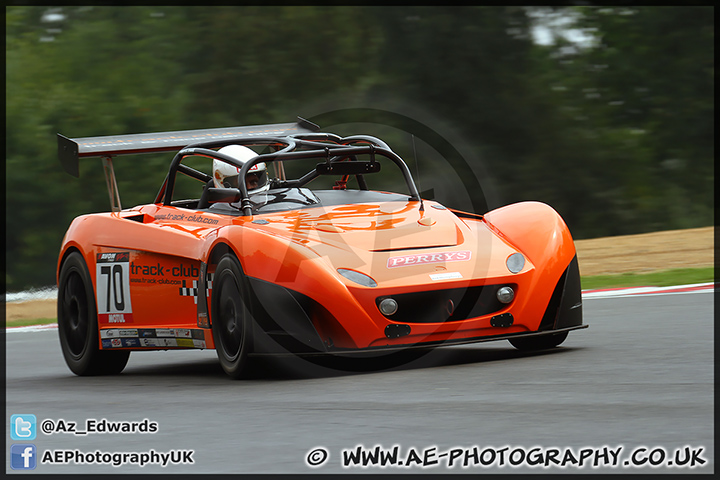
<point x="255" y="180"/>
<point x="231" y="181"/>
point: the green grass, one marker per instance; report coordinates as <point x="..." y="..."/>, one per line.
<point x="27" y="321"/>
<point x="666" y="278"/>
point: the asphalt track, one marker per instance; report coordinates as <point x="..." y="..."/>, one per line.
<point x="639" y="381"/>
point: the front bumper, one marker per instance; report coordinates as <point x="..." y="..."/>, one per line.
<point x="287" y="321"/>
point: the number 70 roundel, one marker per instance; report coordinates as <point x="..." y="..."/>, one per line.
<point x="113" y="287"/>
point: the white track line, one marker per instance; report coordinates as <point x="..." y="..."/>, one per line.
<point x="31" y="328"/>
<point x="648" y="291"/>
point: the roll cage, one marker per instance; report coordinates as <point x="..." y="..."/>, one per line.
<point x="340" y="155"/>
<point x="289" y="142"/>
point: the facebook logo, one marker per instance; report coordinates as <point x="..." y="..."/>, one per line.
<point x="23" y="427"/>
<point x="22" y="456"/>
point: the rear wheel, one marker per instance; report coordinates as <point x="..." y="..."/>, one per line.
<point x="231" y="318"/>
<point x="540" y="342"/>
<point x="77" y="323"/>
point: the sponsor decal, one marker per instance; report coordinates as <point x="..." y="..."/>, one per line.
<point x="117" y="333"/>
<point x="181" y="217"/>
<point x="112" y="257"/>
<point x="428" y="258"/>
<point x="153" y="338"/>
<point x="163" y="270"/>
<point x="156" y="273"/>
<point x="445" y="276"/>
<point x="117" y="318"/>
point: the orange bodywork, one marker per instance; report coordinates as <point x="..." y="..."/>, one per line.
<point x="145" y="264"/>
<point x="300" y="270"/>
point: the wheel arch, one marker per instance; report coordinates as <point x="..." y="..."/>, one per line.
<point x="281" y="316"/>
<point x="218" y="250"/>
<point x="540" y="233"/>
<point x="85" y="253"/>
<point x="536" y="229"/>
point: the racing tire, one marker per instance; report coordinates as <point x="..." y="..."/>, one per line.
<point x="231" y="317"/>
<point x="538" y="343"/>
<point x="77" y="323"/>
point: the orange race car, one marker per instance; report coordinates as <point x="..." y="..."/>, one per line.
<point x="268" y="265"/>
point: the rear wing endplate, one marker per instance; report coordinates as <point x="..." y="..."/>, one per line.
<point x="70" y="150"/>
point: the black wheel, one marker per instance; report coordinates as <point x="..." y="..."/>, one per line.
<point x="231" y="318"/>
<point x="77" y="323"/>
<point x="540" y="342"/>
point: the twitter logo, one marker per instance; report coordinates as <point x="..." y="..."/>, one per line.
<point x="23" y="427"/>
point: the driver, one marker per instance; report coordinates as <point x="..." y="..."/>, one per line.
<point x="226" y="175"/>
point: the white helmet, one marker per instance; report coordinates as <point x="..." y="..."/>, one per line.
<point x="226" y="175"/>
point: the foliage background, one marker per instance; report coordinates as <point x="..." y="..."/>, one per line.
<point x="615" y="130"/>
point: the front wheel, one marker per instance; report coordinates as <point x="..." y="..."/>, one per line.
<point x="77" y="323"/>
<point x="231" y="318"/>
<point x="540" y="342"/>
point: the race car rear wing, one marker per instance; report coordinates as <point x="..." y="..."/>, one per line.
<point x="70" y="150"/>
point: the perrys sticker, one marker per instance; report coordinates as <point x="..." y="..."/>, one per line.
<point x="425" y="258"/>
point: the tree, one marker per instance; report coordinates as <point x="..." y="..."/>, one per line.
<point x="617" y="136"/>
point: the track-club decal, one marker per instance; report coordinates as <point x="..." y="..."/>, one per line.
<point x="425" y="258"/>
<point x="183" y="276"/>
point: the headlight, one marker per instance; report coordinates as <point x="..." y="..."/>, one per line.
<point x="357" y="277"/>
<point x="515" y="262"/>
<point x="388" y="306"/>
<point x="505" y="294"/>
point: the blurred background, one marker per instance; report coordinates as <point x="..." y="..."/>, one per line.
<point x="605" y="113"/>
